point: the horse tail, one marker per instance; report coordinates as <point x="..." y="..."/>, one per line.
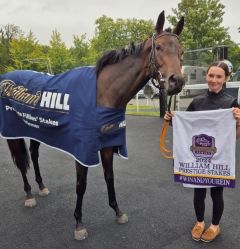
<point x="19" y="153"/>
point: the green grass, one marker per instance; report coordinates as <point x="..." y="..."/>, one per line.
<point x="142" y="111"/>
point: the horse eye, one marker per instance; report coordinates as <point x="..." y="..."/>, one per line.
<point x="158" y="47"/>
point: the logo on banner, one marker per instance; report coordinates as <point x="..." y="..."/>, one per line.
<point x="203" y="146"/>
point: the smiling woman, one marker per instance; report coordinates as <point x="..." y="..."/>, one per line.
<point x="216" y="77"/>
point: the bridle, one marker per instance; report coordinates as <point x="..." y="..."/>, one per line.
<point x="154" y="67"/>
<point x="156" y="74"/>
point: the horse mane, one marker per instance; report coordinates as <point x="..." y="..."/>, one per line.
<point x="114" y="56"/>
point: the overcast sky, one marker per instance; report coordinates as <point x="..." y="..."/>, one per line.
<point x="76" y="17"/>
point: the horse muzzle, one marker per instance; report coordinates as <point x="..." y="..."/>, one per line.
<point x="174" y="84"/>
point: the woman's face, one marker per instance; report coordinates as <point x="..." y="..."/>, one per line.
<point x="215" y="78"/>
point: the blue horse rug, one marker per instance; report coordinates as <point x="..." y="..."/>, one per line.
<point x="61" y="111"/>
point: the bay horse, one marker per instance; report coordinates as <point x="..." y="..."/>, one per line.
<point x="120" y="74"/>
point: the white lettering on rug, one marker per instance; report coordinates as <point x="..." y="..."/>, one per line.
<point x="54" y="100"/>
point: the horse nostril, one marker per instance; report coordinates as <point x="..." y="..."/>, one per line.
<point x="172" y="77"/>
<point x="176" y="79"/>
<point x="175" y="84"/>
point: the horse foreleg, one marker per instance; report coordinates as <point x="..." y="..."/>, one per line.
<point x="30" y="200"/>
<point x="107" y="162"/>
<point x="34" y="150"/>
<point x="21" y="159"/>
<point x="80" y="232"/>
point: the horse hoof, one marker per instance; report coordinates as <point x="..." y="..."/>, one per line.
<point x="30" y="202"/>
<point x="123" y="218"/>
<point x="44" y="192"/>
<point x="80" y="234"/>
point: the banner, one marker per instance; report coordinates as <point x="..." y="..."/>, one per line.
<point x="204" y="148"/>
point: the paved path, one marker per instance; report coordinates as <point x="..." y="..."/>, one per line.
<point x="160" y="211"/>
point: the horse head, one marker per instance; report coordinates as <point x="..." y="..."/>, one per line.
<point x="122" y="73"/>
<point x="165" y="57"/>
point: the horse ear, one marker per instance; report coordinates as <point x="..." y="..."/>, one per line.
<point x="160" y="23"/>
<point x="178" y="29"/>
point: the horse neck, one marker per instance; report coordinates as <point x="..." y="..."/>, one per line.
<point x="118" y="83"/>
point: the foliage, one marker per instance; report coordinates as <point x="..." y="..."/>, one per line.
<point x="234" y="56"/>
<point x="7" y="34"/>
<point x="203" y="29"/>
<point x="82" y="53"/>
<point x="112" y="34"/>
<point x="203" y="20"/>
<point x="203" y="35"/>
<point x="25" y="53"/>
<point x="59" y="55"/>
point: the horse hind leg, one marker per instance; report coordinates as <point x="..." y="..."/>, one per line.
<point x="80" y="232"/>
<point x="21" y="160"/>
<point x="34" y="151"/>
<point x="107" y="162"/>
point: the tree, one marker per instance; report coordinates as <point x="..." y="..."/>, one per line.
<point x="234" y="56"/>
<point x="110" y="34"/>
<point x="27" y="53"/>
<point x="59" y="55"/>
<point x="203" y="19"/>
<point x="81" y="52"/>
<point x="7" y="34"/>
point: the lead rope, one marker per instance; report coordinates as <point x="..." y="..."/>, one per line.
<point x="164" y="151"/>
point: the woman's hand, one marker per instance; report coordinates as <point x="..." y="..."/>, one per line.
<point x="168" y="116"/>
<point x="236" y="114"/>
